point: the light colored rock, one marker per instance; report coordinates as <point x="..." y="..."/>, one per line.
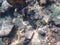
<point x="58" y="43"/>
<point x="5" y="5"/>
<point x="35" y="40"/>
<point x="6" y="29"/>
<point x="29" y="34"/>
<point x="42" y="1"/>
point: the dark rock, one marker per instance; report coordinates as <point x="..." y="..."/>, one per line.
<point x="42" y="33"/>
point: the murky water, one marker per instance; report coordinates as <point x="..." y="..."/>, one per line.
<point x="1" y="43"/>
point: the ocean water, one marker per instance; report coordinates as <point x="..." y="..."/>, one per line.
<point x="1" y="43"/>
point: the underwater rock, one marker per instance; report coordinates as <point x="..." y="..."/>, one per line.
<point x="5" y="29"/>
<point x="35" y="40"/>
<point x="5" y="5"/>
<point x="42" y="2"/>
<point x="37" y="18"/>
<point x="42" y="33"/>
<point x="56" y="13"/>
<point x="58" y="43"/>
<point x="29" y="34"/>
